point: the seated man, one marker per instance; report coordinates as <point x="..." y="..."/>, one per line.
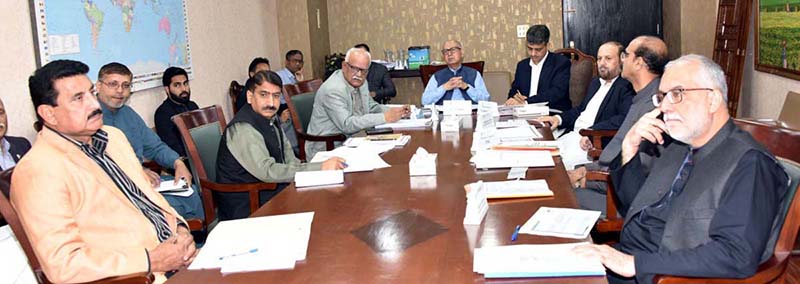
<point x="176" y="84"/>
<point x="11" y="148"/>
<point x="456" y="82"/>
<point x="113" y="90"/>
<point x="293" y="71"/>
<point x="256" y="65"/>
<point x="343" y="105"/>
<point x="608" y="100"/>
<point x="81" y="194"/>
<point x="708" y="205"/>
<point x="381" y="87"/>
<point x="542" y="78"/>
<point x="255" y="149"/>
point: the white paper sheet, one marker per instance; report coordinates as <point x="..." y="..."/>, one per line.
<point x="357" y="159"/>
<point x="515" y="188"/>
<point x="561" y="222"/>
<point x="492" y="159"/>
<point x="516" y="261"/>
<point x="317" y="178"/>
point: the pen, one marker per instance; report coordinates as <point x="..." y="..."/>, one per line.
<point x="238" y="254"/>
<point x="516" y="232"/>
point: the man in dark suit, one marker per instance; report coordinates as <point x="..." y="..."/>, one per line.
<point x="542" y="77"/>
<point x="11" y="148"/>
<point x="605" y="106"/>
<point x="381" y="87"/>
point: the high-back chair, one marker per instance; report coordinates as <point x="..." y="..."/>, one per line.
<point x="10" y="215"/>
<point x="583" y="69"/>
<point x="784" y="143"/>
<point x="426" y="71"/>
<point x="233" y="92"/>
<point x="201" y="131"/>
<point x="301" y="106"/>
<point x="308" y="86"/>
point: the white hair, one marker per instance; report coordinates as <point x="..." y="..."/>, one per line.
<point x="356" y="50"/>
<point x="710" y="72"/>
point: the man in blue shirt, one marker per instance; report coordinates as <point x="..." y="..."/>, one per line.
<point x="294" y="67"/>
<point x="456" y="82"/>
<point x="113" y="90"/>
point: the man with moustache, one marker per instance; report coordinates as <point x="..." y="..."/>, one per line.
<point x="255" y="149"/>
<point x="82" y="197"/>
<point x="456" y="82"/>
<point x="293" y="71"/>
<point x="541" y="78"/>
<point x="176" y="85"/>
<point x="113" y="90"/>
<point x="603" y="109"/>
<point x="11" y="148"/>
<point x="709" y="205"/>
<point x="343" y="104"/>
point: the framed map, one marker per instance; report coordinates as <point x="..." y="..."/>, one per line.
<point x="777" y="42"/>
<point x="146" y="35"/>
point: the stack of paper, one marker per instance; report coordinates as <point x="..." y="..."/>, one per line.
<point x="492" y="159"/>
<point x="255" y="244"/>
<point x="407" y="123"/>
<point x="514" y="189"/>
<point x="170" y="188"/>
<point x="536" y="145"/>
<point x="317" y="178"/>
<point x="357" y="159"/>
<point x="561" y="222"/>
<point x="523" y="261"/>
<point x="512" y="123"/>
<point x="518" y="134"/>
<point x="400" y="141"/>
<point x="531" y="111"/>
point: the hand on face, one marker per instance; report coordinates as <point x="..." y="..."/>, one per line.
<point x="649" y="128"/>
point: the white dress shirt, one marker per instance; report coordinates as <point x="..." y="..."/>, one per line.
<point x="6" y="160"/>
<point x="536" y="71"/>
<point x="587" y="117"/>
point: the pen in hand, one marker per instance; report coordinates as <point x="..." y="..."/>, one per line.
<point x="515" y="234"/>
<point x="238" y="254"/>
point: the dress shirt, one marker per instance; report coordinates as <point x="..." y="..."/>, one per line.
<point x="6" y="160"/>
<point x="145" y="142"/>
<point x="536" y="70"/>
<point x="434" y="92"/>
<point x="587" y="117"/>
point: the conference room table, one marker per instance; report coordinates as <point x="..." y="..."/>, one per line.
<point x="384" y="226"/>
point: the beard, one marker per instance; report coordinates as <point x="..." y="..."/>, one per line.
<point x="606" y="74"/>
<point x="182" y="98"/>
<point x="689" y="131"/>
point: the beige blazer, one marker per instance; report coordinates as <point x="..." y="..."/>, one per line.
<point x="81" y="226"/>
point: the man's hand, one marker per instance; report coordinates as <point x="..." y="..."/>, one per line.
<point x="517" y="99"/>
<point x="152" y="177"/>
<point x="452" y="83"/>
<point x="512" y="102"/>
<point x="394" y="114"/>
<point x="586" y="143"/>
<point x="173" y="253"/>
<point x="185" y="237"/>
<point x="649" y="128"/>
<point x="182" y="172"/>
<point x="333" y="163"/>
<point x="298" y="76"/>
<point x="620" y="263"/>
<point x="553" y="120"/>
<point x="577" y="177"/>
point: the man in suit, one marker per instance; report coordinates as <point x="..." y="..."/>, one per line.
<point x="603" y="109"/>
<point x="343" y="105"/>
<point x="11" y="148"/>
<point x="81" y="193"/>
<point x="542" y="77"/>
<point x="176" y="85"/>
<point x="381" y="87"/>
<point x="456" y="82"/>
<point x="709" y="205"/>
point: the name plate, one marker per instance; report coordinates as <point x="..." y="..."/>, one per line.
<point x="451" y="107"/>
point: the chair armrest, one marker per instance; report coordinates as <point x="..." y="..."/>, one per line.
<point x="153" y="166"/>
<point x="251" y="188"/>
<point x="329" y="140"/>
<point x="135" y="278"/>
<point x="194" y="224"/>
<point x="597" y="140"/>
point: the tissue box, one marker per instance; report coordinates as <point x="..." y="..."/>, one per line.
<point x="422" y="165"/>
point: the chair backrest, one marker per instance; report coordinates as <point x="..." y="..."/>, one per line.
<point x="201" y="131"/>
<point x="233" y="92"/>
<point x="10" y="215"/>
<point x="584" y="68"/>
<point x="291" y="89"/>
<point x="426" y="71"/>
<point x="497" y="83"/>
<point x="301" y="106"/>
<point x="308" y="85"/>
<point x="789" y="114"/>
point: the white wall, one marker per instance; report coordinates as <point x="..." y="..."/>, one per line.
<point x="224" y="37"/>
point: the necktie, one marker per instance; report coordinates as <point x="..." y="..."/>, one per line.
<point x="358" y="105"/>
<point x="678" y="183"/>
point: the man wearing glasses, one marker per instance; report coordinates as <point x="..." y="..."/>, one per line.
<point x="456" y="82"/>
<point x="293" y="72"/>
<point x="708" y="206"/>
<point x="343" y="105"/>
<point x="113" y="91"/>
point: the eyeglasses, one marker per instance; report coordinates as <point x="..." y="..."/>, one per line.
<point x="297" y="60"/>
<point x="114" y="85"/>
<point x="450" y="50"/>
<point x="356" y="69"/>
<point x="674" y="96"/>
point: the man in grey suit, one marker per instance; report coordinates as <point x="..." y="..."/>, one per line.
<point x="381" y="87"/>
<point x="708" y="207"/>
<point x="343" y="104"/>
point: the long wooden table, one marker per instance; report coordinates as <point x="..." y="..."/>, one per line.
<point x="386" y="227"/>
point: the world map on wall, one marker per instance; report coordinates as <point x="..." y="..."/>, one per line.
<point x="146" y="35"/>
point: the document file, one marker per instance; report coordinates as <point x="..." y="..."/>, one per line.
<point x="493" y="159"/>
<point x="357" y="159"/>
<point x="315" y="178"/>
<point x="514" y="188"/>
<point x="523" y="261"/>
<point x="561" y="222"/>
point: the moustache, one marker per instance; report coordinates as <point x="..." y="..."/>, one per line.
<point x="272" y="108"/>
<point x="672" y="116"/>
<point x="358" y="78"/>
<point x="95" y="112"/>
<point x="184" y="94"/>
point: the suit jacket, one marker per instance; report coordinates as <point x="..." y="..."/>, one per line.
<point x="80" y="224"/>
<point x="19" y="146"/>
<point x="553" y="82"/>
<point x="380" y="82"/>
<point x="612" y="110"/>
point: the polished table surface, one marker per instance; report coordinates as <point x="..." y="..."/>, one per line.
<point x="386" y="227"/>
